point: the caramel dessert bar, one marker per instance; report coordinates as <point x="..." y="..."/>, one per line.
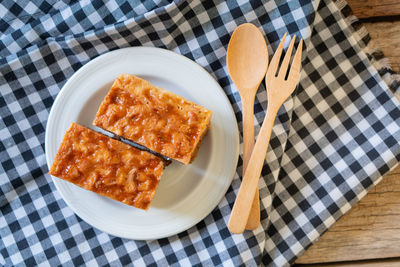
<point x="153" y="117"/>
<point x="108" y="167"/>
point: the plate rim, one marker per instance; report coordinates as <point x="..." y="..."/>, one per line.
<point x="60" y="96"/>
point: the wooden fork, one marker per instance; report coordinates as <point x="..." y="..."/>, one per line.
<point x="278" y="90"/>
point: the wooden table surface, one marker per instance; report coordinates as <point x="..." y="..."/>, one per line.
<point x="369" y="234"/>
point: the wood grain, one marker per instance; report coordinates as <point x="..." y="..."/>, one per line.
<point x="374" y="8"/>
<point x="386" y="36"/>
<point x="370" y="230"/>
<point x="394" y="262"/>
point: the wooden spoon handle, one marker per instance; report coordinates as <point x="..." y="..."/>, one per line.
<point x="248" y="130"/>
<point x="254" y="217"/>
<point x="241" y="208"/>
<point x="248" y="144"/>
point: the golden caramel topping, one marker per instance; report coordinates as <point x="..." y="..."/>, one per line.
<point x="153" y="117"/>
<point x="108" y="167"/>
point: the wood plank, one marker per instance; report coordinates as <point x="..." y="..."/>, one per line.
<point x="394" y="262"/>
<point x="370" y="230"/>
<point x="386" y="36"/>
<point x="375" y="8"/>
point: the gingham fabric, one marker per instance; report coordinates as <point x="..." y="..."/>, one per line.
<point x="332" y="141"/>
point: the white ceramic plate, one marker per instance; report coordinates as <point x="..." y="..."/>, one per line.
<point x="186" y="194"/>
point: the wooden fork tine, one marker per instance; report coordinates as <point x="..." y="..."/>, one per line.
<point x="273" y="66"/>
<point x="296" y="65"/>
<point x="284" y="67"/>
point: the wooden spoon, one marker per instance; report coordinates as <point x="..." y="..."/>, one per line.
<point x="247" y="60"/>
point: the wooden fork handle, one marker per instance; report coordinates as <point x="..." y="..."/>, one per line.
<point x="241" y="208"/>
<point x="248" y="144"/>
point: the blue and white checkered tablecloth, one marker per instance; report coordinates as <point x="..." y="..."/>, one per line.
<point x="332" y="141"/>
